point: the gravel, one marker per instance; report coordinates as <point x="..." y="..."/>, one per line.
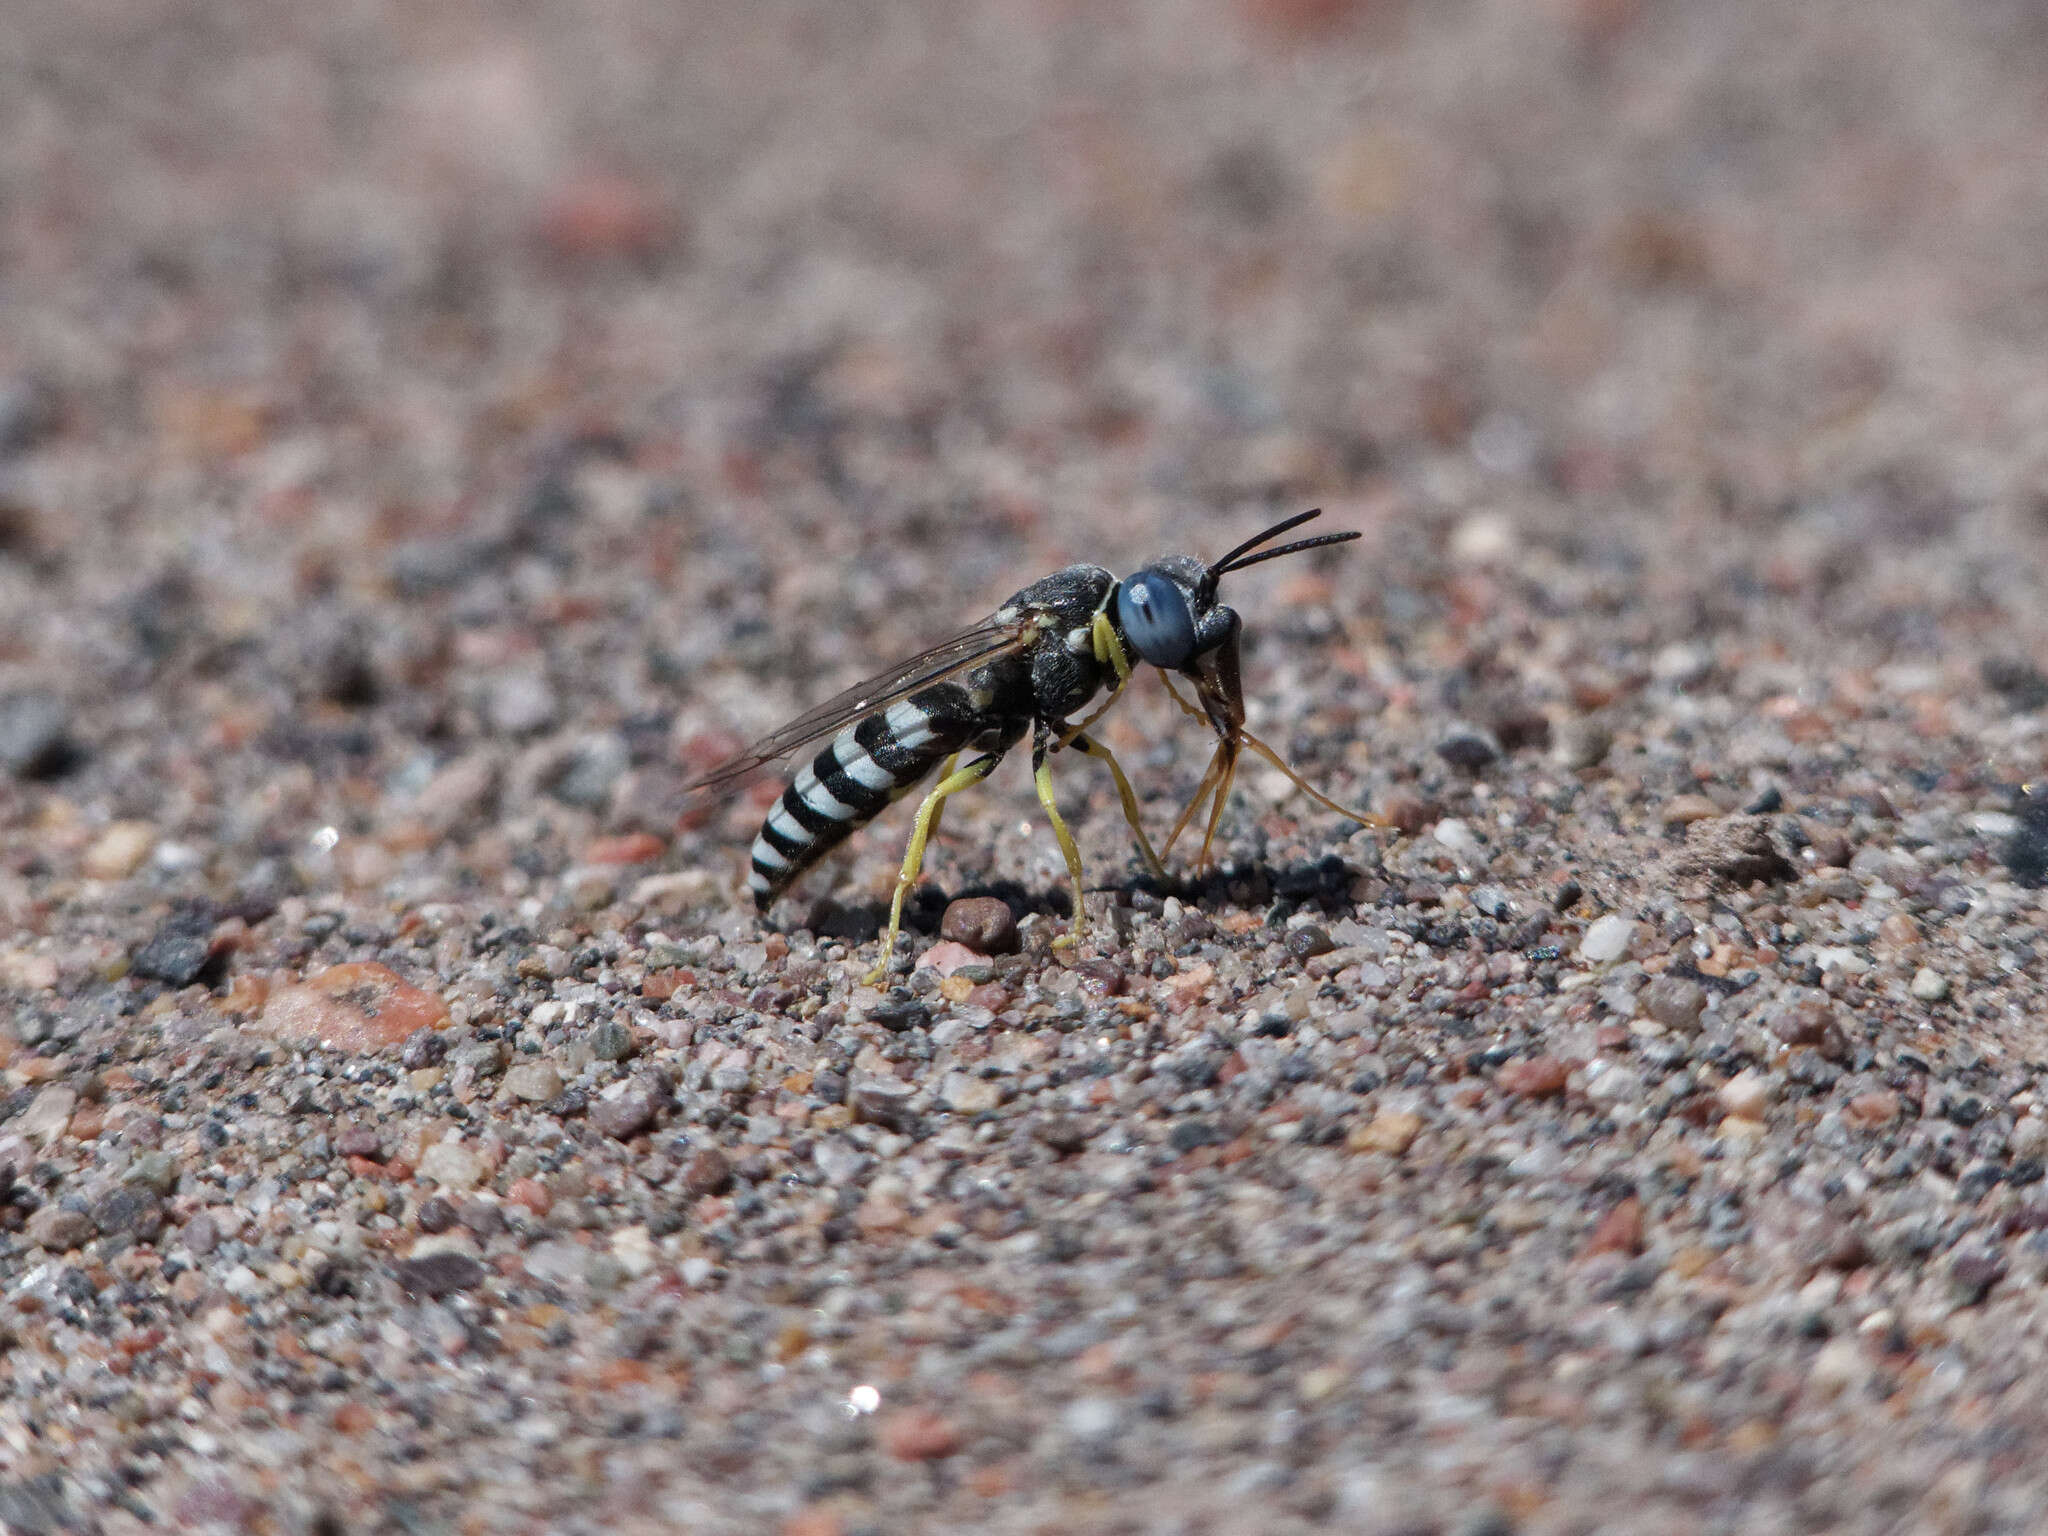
<point x="427" y="445"/>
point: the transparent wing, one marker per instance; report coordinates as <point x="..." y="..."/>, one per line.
<point x="973" y="648"/>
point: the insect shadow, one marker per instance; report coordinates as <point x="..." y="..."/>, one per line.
<point x="1323" y="884"/>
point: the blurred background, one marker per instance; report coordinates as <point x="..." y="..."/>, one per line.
<point x="303" y="305"/>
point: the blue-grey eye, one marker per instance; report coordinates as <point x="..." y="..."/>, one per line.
<point x="1154" y="613"/>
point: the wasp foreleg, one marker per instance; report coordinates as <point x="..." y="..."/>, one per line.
<point x="913" y="855"/>
<point x="1209" y="777"/>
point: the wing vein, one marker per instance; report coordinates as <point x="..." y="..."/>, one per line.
<point x="927" y="669"/>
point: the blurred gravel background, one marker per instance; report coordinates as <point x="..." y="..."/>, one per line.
<point x="429" y="435"/>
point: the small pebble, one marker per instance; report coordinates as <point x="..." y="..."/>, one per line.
<point x="1468" y="748"/>
<point x="708" y="1173"/>
<point x="438" y="1274"/>
<point x="534" y="1081"/>
<point x="983" y="924"/>
<point x="1390" y="1131"/>
<point x="881" y="1100"/>
<point x="35" y="741"/>
<point x="119" y="851"/>
<point x="917" y="1434"/>
<point x="1536" y="1077"/>
<point x="181" y="949"/>
<point x="967" y="1095"/>
<point x="1676" y="1003"/>
<point x="60" y="1230"/>
<point x="452" y="1165"/>
<point x="626" y="1109"/>
<point x="1747" y="1095"/>
<point x="612" y="1041"/>
<point x="1929" y="985"/>
<point x="1608" y="939"/>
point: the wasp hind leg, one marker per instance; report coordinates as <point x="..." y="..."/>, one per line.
<point x="913" y="855"/>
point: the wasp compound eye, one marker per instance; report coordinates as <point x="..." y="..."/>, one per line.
<point x="1154" y="613"/>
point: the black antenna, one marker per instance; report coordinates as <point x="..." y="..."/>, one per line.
<point x="1236" y="561"/>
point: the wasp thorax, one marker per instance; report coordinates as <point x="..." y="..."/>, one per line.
<point x="1153" y="611"/>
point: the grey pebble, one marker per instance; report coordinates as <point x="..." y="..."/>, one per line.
<point x="1468" y="748"/>
<point x="882" y="1100"/>
<point x="180" y="949"/>
<point x="1676" y="1003"/>
<point x="611" y="1041"/>
<point x="130" y="1209"/>
<point x="438" y="1274"/>
<point x="521" y="702"/>
<point x="35" y="740"/>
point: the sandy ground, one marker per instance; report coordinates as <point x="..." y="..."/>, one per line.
<point x="429" y="435"/>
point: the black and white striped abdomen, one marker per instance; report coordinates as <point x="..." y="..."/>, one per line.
<point x="861" y="770"/>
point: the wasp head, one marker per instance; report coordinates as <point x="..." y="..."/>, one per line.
<point x="1171" y="617"/>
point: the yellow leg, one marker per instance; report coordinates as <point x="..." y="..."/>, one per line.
<point x="1363" y="818"/>
<point x="913" y="855"/>
<point x="1107" y="649"/>
<point x="1209" y="777"/>
<point x="1094" y="748"/>
<point x="1216" y="805"/>
<point x="1042" y="777"/>
<point x="939" y="811"/>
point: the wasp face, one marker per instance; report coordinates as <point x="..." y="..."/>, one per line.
<point x="1169" y="613"/>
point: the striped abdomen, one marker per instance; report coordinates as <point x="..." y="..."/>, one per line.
<point x="861" y="770"/>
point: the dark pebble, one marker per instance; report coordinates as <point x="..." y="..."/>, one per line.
<point x="423" y="1048"/>
<point x="435" y="1214"/>
<point x="360" y="1141"/>
<point x="1308" y="941"/>
<point x="1063" y="1134"/>
<point x="1769" y="803"/>
<point x="181" y="951"/>
<point x="828" y="1087"/>
<point x="1100" y="978"/>
<point x="982" y="923"/>
<point x="132" y="1210"/>
<point x="900" y="1011"/>
<point x="1190" y="1134"/>
<point x="482" y="1217"/>
<point x="35" y="739"/>
<point x="2026" y="852"/>
<point x="2019" y="681"/>
<point x="1971" y="1277"/>
<point x="882" y="1100"/>
<point x="438" y="1274"/>
<point x="631" y="1112"/>
<point x="709" y="1173"/>
<point x="1469" y="748"/>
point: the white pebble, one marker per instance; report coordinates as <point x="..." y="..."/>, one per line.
<point x="1608" y="939"/>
